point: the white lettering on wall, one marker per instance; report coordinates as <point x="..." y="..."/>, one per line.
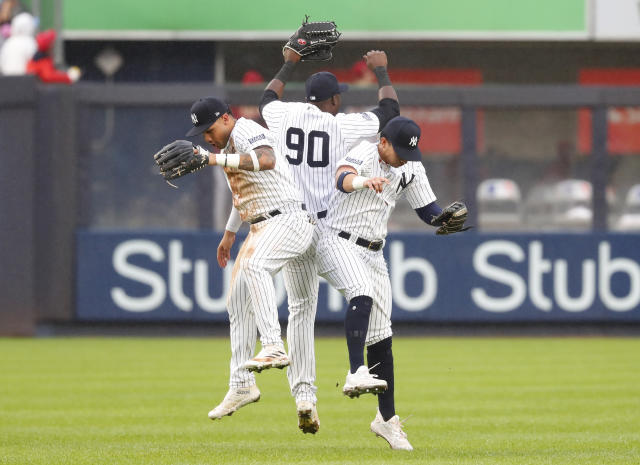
<point x="136" y="273"/>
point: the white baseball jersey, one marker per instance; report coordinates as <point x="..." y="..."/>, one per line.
<point x="258" y="192"/>
<point x="355" y="270"/>
<point x="313" y="141"/>
<point x="365" y="213"/>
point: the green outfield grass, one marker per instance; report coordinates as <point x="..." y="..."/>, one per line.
<point x="471" y="401"/>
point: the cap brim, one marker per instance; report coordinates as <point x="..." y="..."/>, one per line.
<point x="343" y="87"/>
<point x="408" y="154"/>
<point x="199" y="129"/>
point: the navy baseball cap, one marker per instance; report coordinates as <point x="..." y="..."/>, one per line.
<point x="205" y="112"/>
<point x="404" y="136"/>
<point x="322" y="86"/>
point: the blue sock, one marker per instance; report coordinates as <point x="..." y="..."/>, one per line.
<point x="381" y="353"/>
<point x="356" y="323"/>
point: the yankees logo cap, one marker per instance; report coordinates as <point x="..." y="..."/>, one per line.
<point x="404" y="136"/>
<point x="205" y="112"/>
<point x="322" y="86"/>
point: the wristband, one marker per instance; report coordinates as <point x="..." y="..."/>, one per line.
<point x="358" y="182"/>
<point x="228" y="160"/>
<point x="254" y="159"/>
<point x="285" y="72"/>
<point x="382" y="75"/>
<point x="234" y="222"/>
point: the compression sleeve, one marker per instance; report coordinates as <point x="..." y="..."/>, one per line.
<point x="267" y="97"/>
<point x="428" y="213"/>
<point x="387" y="109"/>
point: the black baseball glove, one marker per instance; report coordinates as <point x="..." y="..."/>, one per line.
<point x="452" y="219"/>
<point x="314" y="41"/>
<point x="180" y="157"/>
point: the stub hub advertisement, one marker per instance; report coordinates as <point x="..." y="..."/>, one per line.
<point x="167" y="276"/>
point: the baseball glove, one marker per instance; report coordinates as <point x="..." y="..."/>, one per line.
<point x="452" y="219"/>
<point x="314" y="41"/>
<point x="180" y="157"/>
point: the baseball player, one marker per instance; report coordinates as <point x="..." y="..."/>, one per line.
<point x="265" y="196"/>
<point x="370" y="179"/>
<point x="313" y="136"/>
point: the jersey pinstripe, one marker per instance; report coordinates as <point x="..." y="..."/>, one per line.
<point x="313" y="141"/>
<point x="365" y="213"/>
<point x="258" y="192"/>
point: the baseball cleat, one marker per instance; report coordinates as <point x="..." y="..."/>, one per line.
<point x="308" y="420"/>
<point x="363" y="382"/>
<point x="235" y="398"/>
<point x="271" y="356"/>
<point x="391" y="431"/>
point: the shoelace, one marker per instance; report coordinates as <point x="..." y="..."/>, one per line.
<point x="401" y="424"/>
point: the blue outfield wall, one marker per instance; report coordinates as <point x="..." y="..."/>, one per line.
<point x="166" y="276"/>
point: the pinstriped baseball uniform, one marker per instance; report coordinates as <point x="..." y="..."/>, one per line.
<point x="260" y="191"/>
<point x="312" y="141"/>
<point x="355" y="270"/>
<point x="271" y="243"/>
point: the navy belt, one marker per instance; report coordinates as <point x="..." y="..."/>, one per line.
<point x="321" y="214"/>
<point x="371" y="245"/>
<point x="268" y="215"/>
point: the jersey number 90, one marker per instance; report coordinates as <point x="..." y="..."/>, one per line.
<point x="297" y="144"/>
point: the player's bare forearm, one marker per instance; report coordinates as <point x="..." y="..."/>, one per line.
<point x="348" y="180"/>
<point x="266" y="159"/>
<point x="260" y="159"/>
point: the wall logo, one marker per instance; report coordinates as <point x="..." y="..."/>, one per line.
<point x="178" y="267"/>
<point x="595" y="275"/>
<point x="497" y="278"/>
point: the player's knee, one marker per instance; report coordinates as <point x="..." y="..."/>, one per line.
<point x="358" y="290"/>
<point x="361" y="303"/>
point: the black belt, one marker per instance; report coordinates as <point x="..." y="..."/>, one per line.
<point x="321" y="214"/>
<point x="371" y="245"/>
<point x="268" y="215"/>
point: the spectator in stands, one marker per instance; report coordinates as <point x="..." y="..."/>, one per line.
<point x="9" y="9"/>
<point x="361" y="75"/>
<point x="250" y="78"/>
<point x="20" y="47"/>
<point x="560" y="168"/>
<point x="42" y="63"/>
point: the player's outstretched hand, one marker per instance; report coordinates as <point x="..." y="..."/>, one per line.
<point x="375" y="58"/>
<point x="376" y="184"/>
<point x="224" y="248"/>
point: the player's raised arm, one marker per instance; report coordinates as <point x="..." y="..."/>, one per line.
<point x="388" y="106"/>
<point x="276" y="86"/>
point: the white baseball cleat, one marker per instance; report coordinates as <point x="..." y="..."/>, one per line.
<point x="308" y="420"/>
<point x="235" y="398"/>
<point x="271" y="356"/>
<point x="363" y="382"/>
<point x="391" y="431"/>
